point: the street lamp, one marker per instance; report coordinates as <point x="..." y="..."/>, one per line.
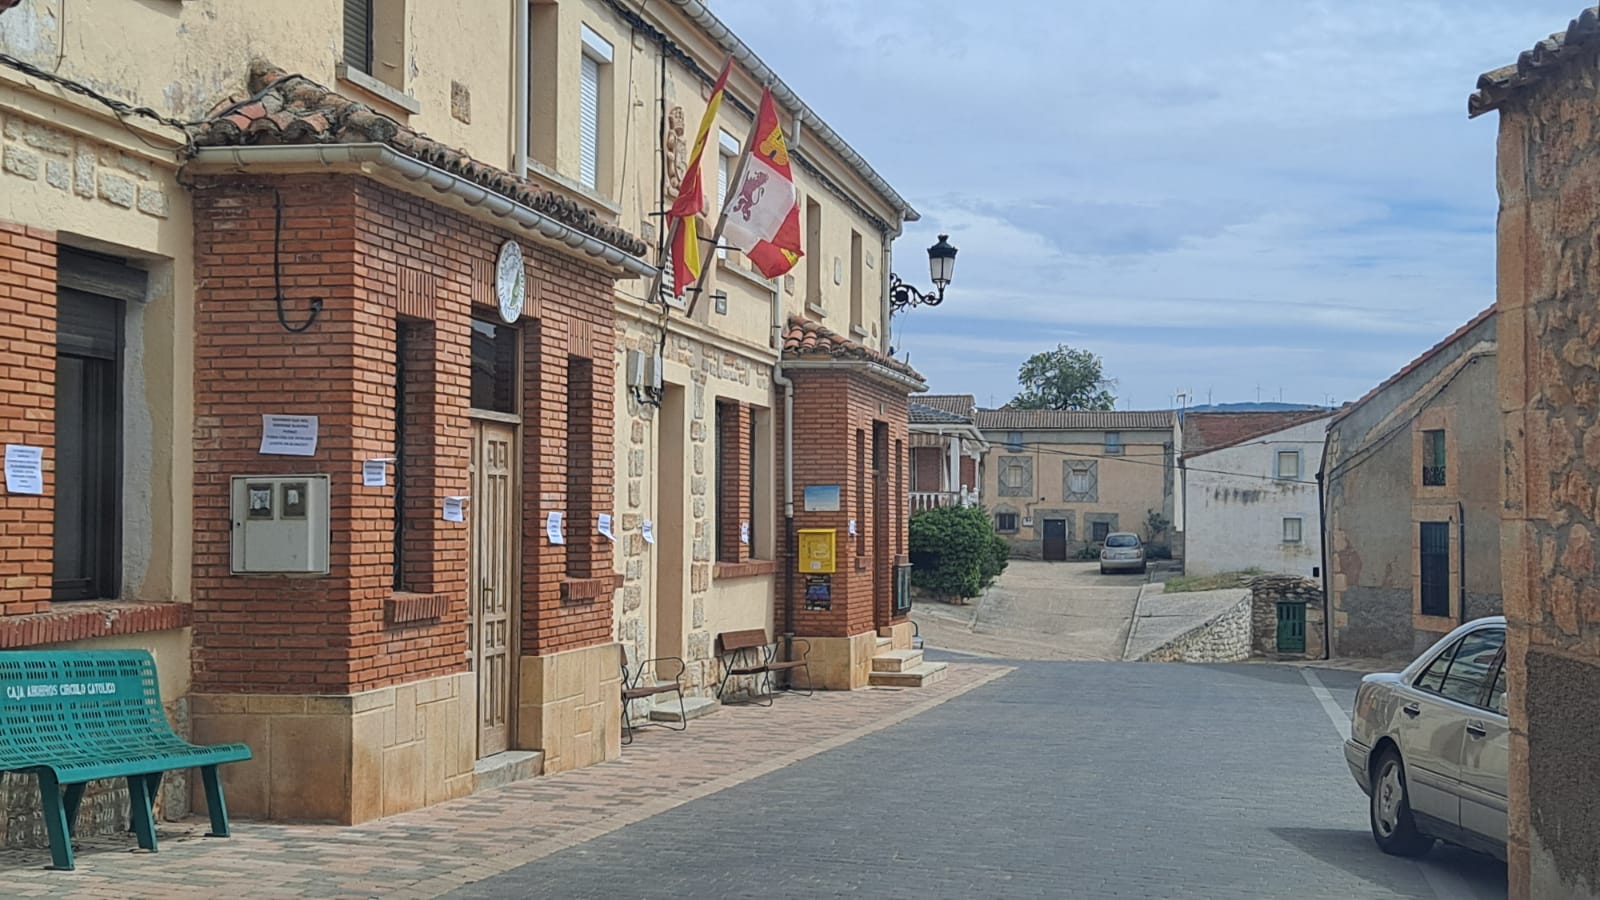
<point x="941" y="268"/>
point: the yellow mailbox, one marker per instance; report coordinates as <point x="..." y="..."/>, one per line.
<point x="817" y="550"/>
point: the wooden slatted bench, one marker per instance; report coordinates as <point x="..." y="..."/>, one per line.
<point x="748" y="652"/>
<point x="634" y="687"/>
<point x="75" y="717"/>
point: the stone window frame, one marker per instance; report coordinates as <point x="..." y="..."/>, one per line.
<point x="1089" y="467"/>
<point x="1435" y="512"/>
<point x="1278" y="472"/>
<point x="1299" y="529"/>
<point x="1441" y="419"/>
<point x="1016" y="520"/>
<point x="1022" y="463"/>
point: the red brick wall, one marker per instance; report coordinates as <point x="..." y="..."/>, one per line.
<point x="733" y="490"/>
<point x="830" y="407"/>
<point x="969" y="473"/>
<point x="374" y="254"/>
<point x="27" y="411"/>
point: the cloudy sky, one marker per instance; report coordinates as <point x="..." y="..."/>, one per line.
<point x="1237" y="198"/>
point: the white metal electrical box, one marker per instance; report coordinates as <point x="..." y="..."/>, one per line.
<point x="280" y="524"/>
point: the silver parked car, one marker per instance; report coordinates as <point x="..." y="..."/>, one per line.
<point x="1122" y="552"/>
<point x="1428" y="745"/>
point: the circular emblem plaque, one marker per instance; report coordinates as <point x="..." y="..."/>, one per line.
<point x="510" y="281"/>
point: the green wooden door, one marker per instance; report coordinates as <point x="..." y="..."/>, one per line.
<point x="1291" y="628"/>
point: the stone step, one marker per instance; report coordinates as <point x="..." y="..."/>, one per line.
<point x="884" y="642"/>
<point x="501" y="769"/>
<point x="896" y="660"/>
<point x="666" y="710"/>
<point x="921" y="676"/>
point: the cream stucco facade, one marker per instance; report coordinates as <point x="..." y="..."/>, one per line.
<point x="680" y="592"/>
<point x="1056" y="481"/>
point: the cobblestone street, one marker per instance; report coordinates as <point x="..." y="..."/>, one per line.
<point x="1082" y="780"/>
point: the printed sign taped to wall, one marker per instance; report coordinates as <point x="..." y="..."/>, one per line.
<point x="817" y="555"/>
<point x="819" y="592"/>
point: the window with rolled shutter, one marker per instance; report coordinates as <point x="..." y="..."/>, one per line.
<point x="358" y="34"/>
<point x="589" y="123"/>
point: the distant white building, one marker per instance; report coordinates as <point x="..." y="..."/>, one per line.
<point x="1251" y="502"/>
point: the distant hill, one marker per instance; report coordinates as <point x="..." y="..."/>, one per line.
<point x="1253" y="407"/>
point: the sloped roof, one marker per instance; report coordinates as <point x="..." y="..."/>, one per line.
<point x="960" y="404"/>
<point x="806" y="339"/>
<point x="923" y="414"/>
<point x="293" y="109"/>
<point x="1410" y="367"/>
<point x="1073" y="419"/>
<point x="1207" y="431"/>
<point x="1535" y="64"/>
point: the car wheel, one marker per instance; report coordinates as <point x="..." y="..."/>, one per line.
<point x="1143" y="569"/>
<point x="1393" y="826"/>
<point x="1103" y="570"/>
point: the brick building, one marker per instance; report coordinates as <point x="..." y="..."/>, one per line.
<point x="413" y="596"/>
<point x="1549" y="222"/>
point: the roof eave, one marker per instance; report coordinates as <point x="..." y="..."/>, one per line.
<point x="386" y="164"/>
<point x="871" y="368"/>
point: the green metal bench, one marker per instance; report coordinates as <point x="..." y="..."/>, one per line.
<point x="74" y="717"/>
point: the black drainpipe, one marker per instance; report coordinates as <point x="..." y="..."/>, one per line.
<point x="1322" y="538"/>
<point x="1461" y="560"/>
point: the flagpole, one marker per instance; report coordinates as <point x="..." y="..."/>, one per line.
<point x="733" y="187"/>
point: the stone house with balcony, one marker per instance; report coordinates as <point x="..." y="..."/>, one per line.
<point x="947" y="452"/>
<point x="1412" y="494"/>
<point x="1058" y="481"/>
<point x="413" y="258"/>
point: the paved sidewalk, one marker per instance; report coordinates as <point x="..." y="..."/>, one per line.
<point x="429" y="852"/>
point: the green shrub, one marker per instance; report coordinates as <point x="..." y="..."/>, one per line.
<point x="1089" y="553"/>
<point x="955" y="552"/>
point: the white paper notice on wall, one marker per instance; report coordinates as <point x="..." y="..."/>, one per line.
<point x="552" y="528"/>
<point x="375" y="472"/>
<point x="455" y="509"/>
<point x="649" y="532"/>
<point x="604" y="526"/>
<point x="852" y="526"/>
<point x="288" y="435"/>
<point x="744" y="532"/>
<point x="24" y="469"/>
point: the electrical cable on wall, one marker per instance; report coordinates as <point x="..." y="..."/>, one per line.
<point x="277" y="272"/>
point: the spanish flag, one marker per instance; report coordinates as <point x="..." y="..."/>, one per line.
<point x="763" y="213"/>
<point x="691" y="200"/>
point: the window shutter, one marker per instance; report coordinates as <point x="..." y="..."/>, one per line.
<point x="358" y="34"/>
<point x="589" y="123"/>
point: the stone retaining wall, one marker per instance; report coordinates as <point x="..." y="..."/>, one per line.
<point x="1266" y="592"/>
<point x="1223" y="639"/>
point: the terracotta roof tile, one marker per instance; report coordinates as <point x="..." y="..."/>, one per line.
<point x="1206" y="431"/>
<point x="806" y="338"/>
<point x="292" y="109"/>
<point x="1073" y="419"/>
<point x="923" y="414"/>
<point x="960" y="404"/>
<point x="1536" y="63"/>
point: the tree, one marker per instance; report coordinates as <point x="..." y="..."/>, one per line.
<point x="1063" y="378"/>
<point x="955" y="552"/>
